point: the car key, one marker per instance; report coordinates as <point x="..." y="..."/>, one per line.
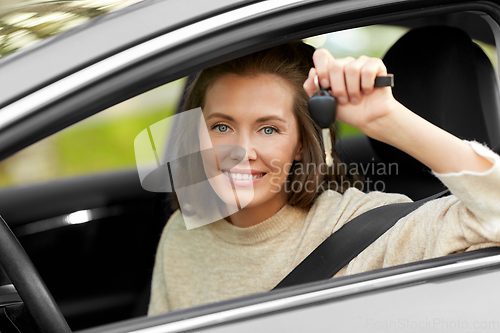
<point x="323" y="109"/>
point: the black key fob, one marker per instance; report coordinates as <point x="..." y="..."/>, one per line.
<point x="323" y="108"/>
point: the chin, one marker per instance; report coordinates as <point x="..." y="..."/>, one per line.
<point x="261" y="198"/>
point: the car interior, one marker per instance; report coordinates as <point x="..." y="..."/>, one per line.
<point x="100" y="272"/>
<point x="454" y="87"/>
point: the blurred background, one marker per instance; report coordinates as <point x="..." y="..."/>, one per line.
<point x="105" y="142"/>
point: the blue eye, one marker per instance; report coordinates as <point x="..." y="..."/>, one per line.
<point x="269" y="130"/>
<point x="221" y="128"/>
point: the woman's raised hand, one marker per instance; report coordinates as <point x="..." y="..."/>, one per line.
<point x="352" y="83"/>
<point x="375" y="112"/>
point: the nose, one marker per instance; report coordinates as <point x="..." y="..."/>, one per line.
<point x="245" y="148"/>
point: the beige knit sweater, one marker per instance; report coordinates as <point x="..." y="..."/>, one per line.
<point x="220" y="261"/>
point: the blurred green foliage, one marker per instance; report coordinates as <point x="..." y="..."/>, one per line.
<point x="346" y="131"/>
<point x="106" y="145"/>
<point x="102" y="146"/>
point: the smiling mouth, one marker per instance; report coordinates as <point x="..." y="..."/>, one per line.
<point x="243" y="176"/>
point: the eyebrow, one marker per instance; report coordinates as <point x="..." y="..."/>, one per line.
<point x="259" y="120"/>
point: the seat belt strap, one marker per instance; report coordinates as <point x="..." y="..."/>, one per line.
<point x="350" y="240"/>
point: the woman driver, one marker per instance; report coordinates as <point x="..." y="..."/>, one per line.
<point x="259" y="102"/>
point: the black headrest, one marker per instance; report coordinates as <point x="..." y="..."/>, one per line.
<point x="443" y="76"/>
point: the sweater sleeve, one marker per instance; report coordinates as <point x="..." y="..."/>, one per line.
<point x="469" y="219"/>
<point x="158" y="302"/>
<point x="479" y="194"/>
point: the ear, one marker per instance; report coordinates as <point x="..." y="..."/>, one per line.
<point x="298" y="154"/>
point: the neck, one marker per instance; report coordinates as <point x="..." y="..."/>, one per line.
<point x="250" y="216"/>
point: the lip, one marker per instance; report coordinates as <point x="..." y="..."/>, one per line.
<point x="241" y="182"/>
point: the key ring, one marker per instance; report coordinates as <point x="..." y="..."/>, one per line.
<point x="316" y="83"/>
<point x="320" y="91"/>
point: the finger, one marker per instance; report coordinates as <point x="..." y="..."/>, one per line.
<point x="309" y="85"/>
<point x="337" y="78"/>
<point x="353" y="78"/>
<point x="321" y="58"/>
<point x="373" y="67"/>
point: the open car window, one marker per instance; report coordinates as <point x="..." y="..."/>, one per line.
<point x="90" y="215"/>
<point x="102" y="143"/>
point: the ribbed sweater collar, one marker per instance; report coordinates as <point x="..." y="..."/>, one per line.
<point x="266" y="229"/>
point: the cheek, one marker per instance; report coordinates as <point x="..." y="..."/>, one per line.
<point x="281" y="147"/>
<point x="219" y="139"/>
<point x="278" y="156"/>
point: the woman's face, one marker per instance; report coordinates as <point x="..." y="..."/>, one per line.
<point x="251" y="125"/>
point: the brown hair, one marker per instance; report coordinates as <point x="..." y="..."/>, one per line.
<point x="292" y="63"/>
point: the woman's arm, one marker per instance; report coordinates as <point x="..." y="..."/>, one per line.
<point x="465" y="221"/>
<point x="380" y="116"/>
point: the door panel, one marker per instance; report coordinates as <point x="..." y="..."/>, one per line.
<point x="95" y="249"/>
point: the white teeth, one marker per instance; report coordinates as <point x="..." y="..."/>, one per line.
<point x="239" y="176"/>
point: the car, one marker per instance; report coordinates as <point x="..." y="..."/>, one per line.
<point x="89" y="235"/>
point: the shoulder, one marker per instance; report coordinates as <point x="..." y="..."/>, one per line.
<point x="174" y="225"/>
<point x="344" y="207"/>
<point x="176" y="221"/>
<point x="355" y="198"/>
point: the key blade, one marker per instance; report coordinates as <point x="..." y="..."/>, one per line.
<point x="327" y="143"/>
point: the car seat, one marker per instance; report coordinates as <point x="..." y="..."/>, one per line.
<point x="446" y="78"/>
